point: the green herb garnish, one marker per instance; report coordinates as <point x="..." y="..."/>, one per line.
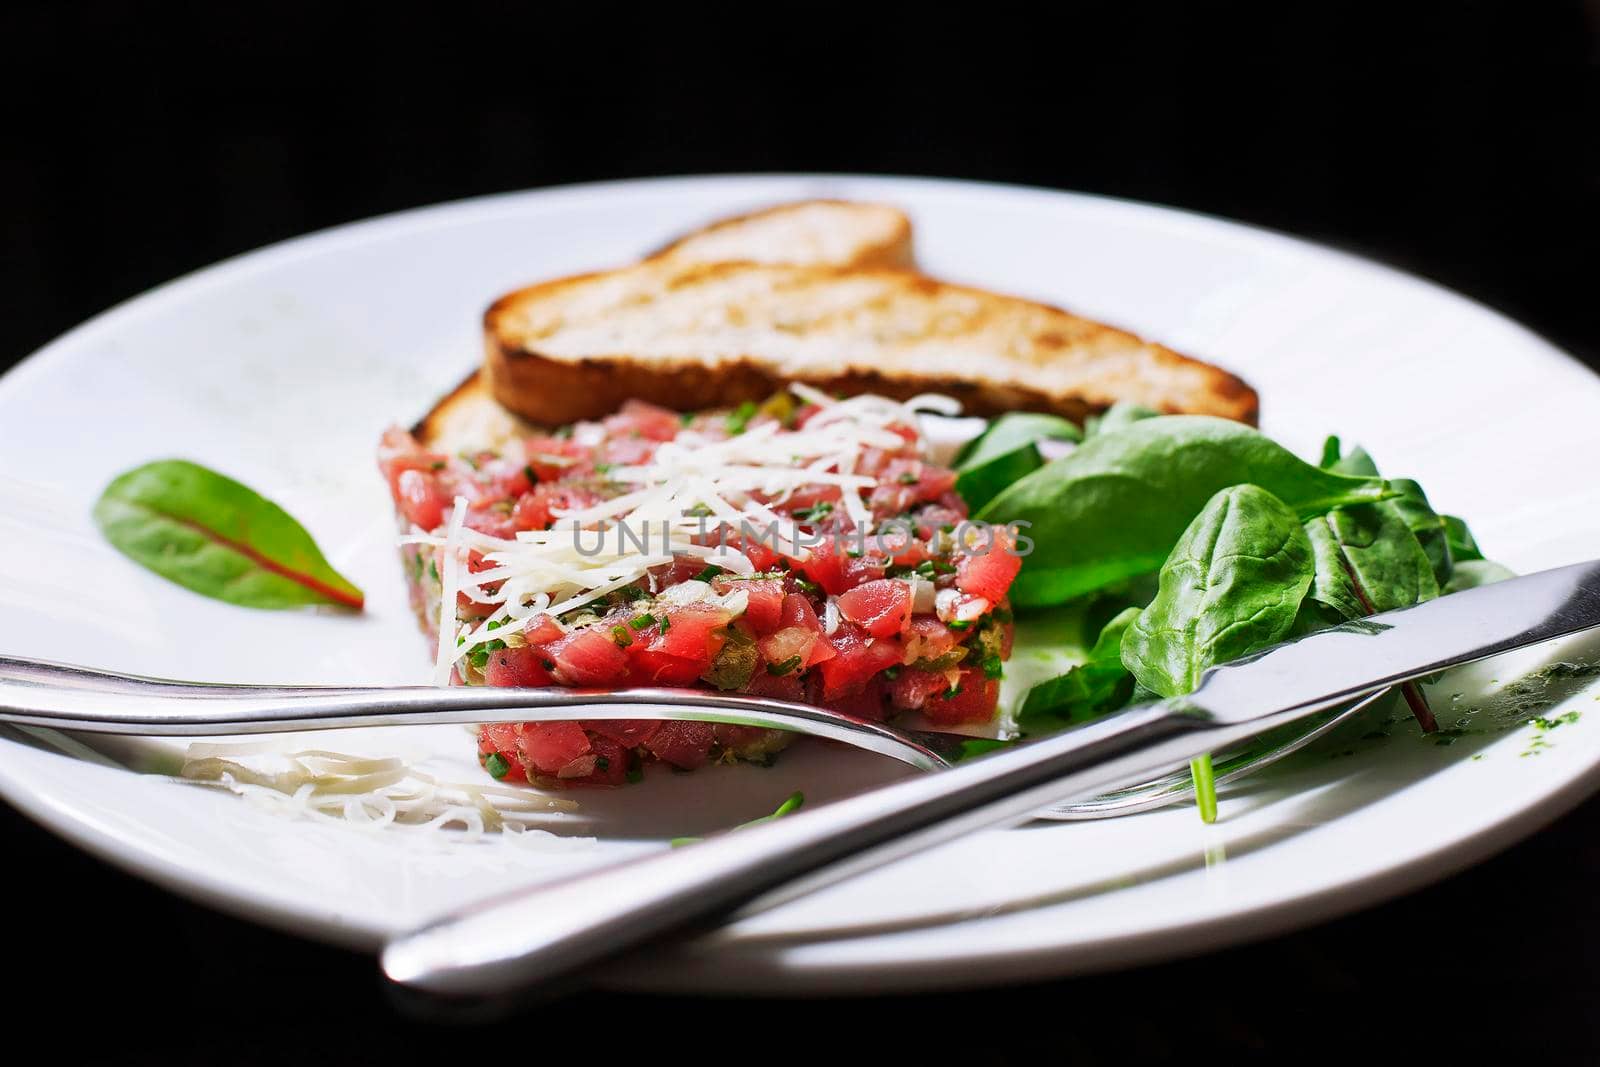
<point x="778" y="670"/>
<point x="792" y="804"/>
<point x="497" y="765"/>
<point x="217" y="537"/>
<point x="740" y="417"/>
<point x="816" y="512"/>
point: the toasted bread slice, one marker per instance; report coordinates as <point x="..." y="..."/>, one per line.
<point x="698" y="335"/>
<point x="839" y="233"/>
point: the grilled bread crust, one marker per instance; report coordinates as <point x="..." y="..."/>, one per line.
<point x="697" y="335"/>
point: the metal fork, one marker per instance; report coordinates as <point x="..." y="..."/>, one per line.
<point x="66" y="697"/>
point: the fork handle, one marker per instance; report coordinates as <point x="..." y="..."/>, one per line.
<point x="533" y="939"/>
<point x="66" y="697"/>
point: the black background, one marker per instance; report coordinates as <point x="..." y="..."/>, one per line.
<point x="1457" y="140"/>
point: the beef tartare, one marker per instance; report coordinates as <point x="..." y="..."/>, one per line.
<point x="803" y="548"/>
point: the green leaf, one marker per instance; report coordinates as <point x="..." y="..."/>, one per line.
<point x="1232" y="585"/>
<point x="1368" y="561"/>
<point x="1358" y="463"/>
<point x="1005" y="452"/>
<point x="1427" y="525"/>
<point x="221" y="539"/>
<point x="792" y="803"/>
<point x="1097" y="685"/>
<point x="973" y="747"/>
<point x="1011" y="430"/>
<point x="1118" y="416"/>
<point x="1463" y="546"/>
<point x="980" y="484"/>
<point x="1430" y="528"/>
<point x="1475" y="572"/>
<point x="1113" y="508"/>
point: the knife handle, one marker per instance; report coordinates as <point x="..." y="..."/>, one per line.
<point x="539" y="938"/>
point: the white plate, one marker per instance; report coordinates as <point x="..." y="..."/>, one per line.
<point x="282" y="367"/>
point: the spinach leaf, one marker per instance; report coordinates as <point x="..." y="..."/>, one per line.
<point x="1013" y="430"/>
<point x="1431" y="528"/>
<point x="1097" y="685"/>
<point x="1331" y="448"/>
<point x="212" y="535"/>
<point x="1427" y="525"/>
<point x="1232" y="585"/>
<point x="1358" y="463"/>
<point x="1006" y="451"/>
<point x="1463" y="546"/>
<point x="1475" y="572"/>
<point x="1118" y="416"/>
<point x="1113" y="508"/>
<point x="1367" y="561"/>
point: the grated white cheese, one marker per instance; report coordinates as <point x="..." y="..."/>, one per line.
<point x="371" y="793"/>
<point x="690" y="486"/>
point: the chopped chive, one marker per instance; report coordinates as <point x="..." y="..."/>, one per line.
<point x="740" y="417"/>
<point x="891" y="673"/>
<point x="433" y="569"/>
<point x="666" y="624"/>
<point x="853" y="553"/>
<point x="635" y="775"/>
<point x="993" y="667"/>
<point x="699" y="511"/>
<point x="479" y="657"/>
<point x="907" y="478"/>
<point x="620" y="635"/>
<point x="806" y="585"/>
<point x="959" y="624"/>
<point x="709" y="573"/>
<point x="602" y="764"/>
<point x="639" y="622"/>
<point x="529" y="473"/>
<point x="778" y="670"/>
<point x="816" y="512"/>
<point x="497" y="765"/>
<point x="438" y="464"/>
<point x="686" y="418"/>
<point x="955" y="691"/>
